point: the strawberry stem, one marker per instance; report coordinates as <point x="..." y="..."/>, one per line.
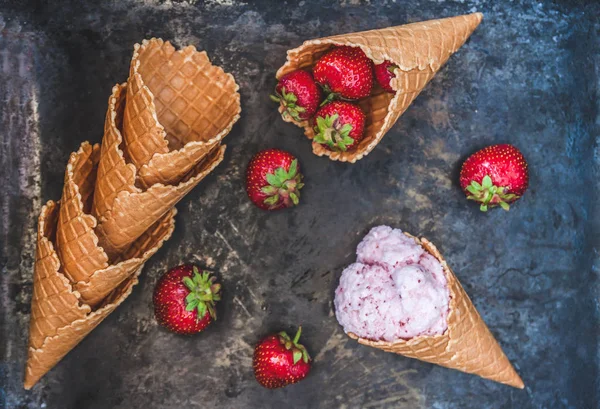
<point x="298" y="350"/>
<point x="283" y="186"/>
<point x="331" y="96"/>
<point x="490" y="195"/>
<point x="392" y="68"/>
<point x="204" y="291"/>
<point x="331" y="132"/>
<point x="289" y="102"/>
<point x="297" y="337"/>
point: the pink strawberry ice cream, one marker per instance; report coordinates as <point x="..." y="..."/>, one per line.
<point x="395" y="290"/>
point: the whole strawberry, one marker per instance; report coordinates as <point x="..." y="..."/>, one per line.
<point x="298" y="94"/>
<point x="184" y="299"/>
<point x="495" y="176"/>
<point x="280" y="361"/>
<point x="273" y="179"/>
<point x="384" y="73"/>
<point x="340" y="125"/>
<point x="346" y="72"/>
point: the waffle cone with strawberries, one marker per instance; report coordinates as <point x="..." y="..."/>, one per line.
<point x="417" y="49"/>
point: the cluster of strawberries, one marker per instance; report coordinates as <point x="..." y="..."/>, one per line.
<point x="342" y="75"/>
<point x="494" y="176"/>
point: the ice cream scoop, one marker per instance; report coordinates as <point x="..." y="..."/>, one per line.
<point x="395" y="291"/>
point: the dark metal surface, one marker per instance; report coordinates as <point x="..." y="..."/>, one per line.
<point x="527" y="76"/>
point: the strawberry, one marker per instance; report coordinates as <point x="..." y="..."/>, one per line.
<point x="280" y="361"/>
<point x="184" y="299"/>
<point x="298" y="94"/>
<point x="384" y="73"/>
<point x="495" y="176"/>
<point x="273" y="179"/>
<point x="340" y="125"/>
<point x="346" y="72"/>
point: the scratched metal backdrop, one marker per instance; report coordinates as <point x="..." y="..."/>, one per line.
<point x="528" y="76"/>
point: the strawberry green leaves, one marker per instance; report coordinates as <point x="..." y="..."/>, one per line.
<point x="331" y="132"/>
<point x="203" y="293"/>
<point x="289" y="101"/>
<point x="298" y="350"/>
<point x="283" y="185"/>
<point x="490" y="195"/>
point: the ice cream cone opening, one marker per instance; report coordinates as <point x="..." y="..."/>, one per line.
<point x="195" y="101"/>
<point x="375" y="107"/>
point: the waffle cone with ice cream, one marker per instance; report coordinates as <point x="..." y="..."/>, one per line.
<point x="417" y="49"/>
<point x="466" y="344"/>
<point x="117" y="205"/>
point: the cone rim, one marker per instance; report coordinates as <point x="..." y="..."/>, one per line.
<point x="135" y="63"/>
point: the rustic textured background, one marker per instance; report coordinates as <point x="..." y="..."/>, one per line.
<point x="528" y="76"/>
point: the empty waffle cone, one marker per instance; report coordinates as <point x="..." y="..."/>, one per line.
<point x="76" y="242"/>
<point x="179" y="107"/>
<point x="84" y="261"/>
<point x="123" y="209"/>
<point x="467" y="345"/>
<point x="418" y="50"/>
<point x="59" y="317"/>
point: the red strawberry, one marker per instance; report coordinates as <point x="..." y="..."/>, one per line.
<point x="184" y="299"/>
<point x="346" y="72"/>
<point x="273" y="179"/>
<point x="340" y="125"/>
<point x="495" y="176"/>
<point x="280" y="361"/>
<point x="384" y="73"/>
<point x="298" y="94"/>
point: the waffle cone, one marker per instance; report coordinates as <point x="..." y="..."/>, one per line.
<point x="418" y="49"/>
<point x="84" y="262"/>
<point x="179" y="107"/>
<point x="59" y="317"/>
<point x="467" y="345"/>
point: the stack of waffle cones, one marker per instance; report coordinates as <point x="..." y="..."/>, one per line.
<point x="162" y="136"/>
<point x="467" y="345"/>
<point x="418" y="50"/>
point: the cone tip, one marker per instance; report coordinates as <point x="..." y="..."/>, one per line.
<point x="29" y="381"/>
<point x="517" y="382"/>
